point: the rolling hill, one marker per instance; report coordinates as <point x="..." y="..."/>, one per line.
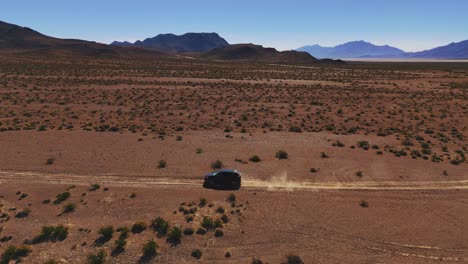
<point x="23" y="40"/>
<point x="257" y="53"/>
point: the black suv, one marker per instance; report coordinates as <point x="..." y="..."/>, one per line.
<point x="223" y="179"/>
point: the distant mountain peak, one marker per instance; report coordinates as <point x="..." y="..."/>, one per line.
<point x="351" y="49"/>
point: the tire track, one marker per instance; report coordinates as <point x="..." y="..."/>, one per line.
<point x="272" y="185"/>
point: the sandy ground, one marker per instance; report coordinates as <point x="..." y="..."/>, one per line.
<point x="320" y="226"/>
<point x="376" y="169"/>
<point x="89" y="153"/>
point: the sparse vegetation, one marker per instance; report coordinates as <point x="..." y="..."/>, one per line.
<point x="23" y="213"/>
<point x="293" y="259"/>
<point x="364" y="204"/>
<point x="138" y="227"/>
<point x="217" y="164"/>
<point x="96" y="258"/>
<point x="160" y="225"/>
<point x="162" y="164"/>
<point x="61" y="197"/>
<point x="95" y="187"/>
<point x="50" y="161"/>
<point x="196" y="253"/>
<point x="51" y="234"/>
<point x="68" y="208"/>
<point x="149" y="248"/>
<point x="255" y="158"/>
<point x="15" y="253"/>
<point x="174" y="235"/>
<point x="106" y="233"/>
<point x="281" y="154"/>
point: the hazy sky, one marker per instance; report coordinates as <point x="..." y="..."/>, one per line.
<point x="411" y="25"/>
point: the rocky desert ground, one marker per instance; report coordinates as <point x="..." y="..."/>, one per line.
<point x="103" y="160"/>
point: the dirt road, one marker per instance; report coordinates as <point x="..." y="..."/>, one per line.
<point x="279" y="182"/>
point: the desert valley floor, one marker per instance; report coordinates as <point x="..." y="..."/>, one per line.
<point x="375" y="171"/>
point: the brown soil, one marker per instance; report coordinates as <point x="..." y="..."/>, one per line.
<point x="376" y="169"/>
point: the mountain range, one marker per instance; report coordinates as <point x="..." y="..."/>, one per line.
<point x="170" y="43"/>
<point x="363" y="49"/>
<point x="16" y="39"/>
<point x="23" y="40"/>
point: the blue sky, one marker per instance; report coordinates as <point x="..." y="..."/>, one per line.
<point x="411" y="25"/>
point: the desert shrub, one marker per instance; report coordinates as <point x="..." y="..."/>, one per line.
<point x="231" y="198"/>
<point x="51" y="261"/>
<point x="120" y="245"/>
<point x="338" y="144"/>
<point x="97" y="258"/>
<point x="23" y="213"/>
<point x="23" y="195"/>
<point x="295" y="129"/>
<point x="255" y="158"/>
<point x="50" y="161"/>
<point x="313" y="170"/>
<point x="207" y="223"/>
<point x="160" y="225"/>
<point x="138" y="227"/>
<point x="456" y="161"/>
<point x="179" y="138"/>
<point x="363" y="144"/>
<point x="174" y="235"/>
<point x="293" y="259"/>
<point x="364" y="204"/>
<point x="15" y="253"/>
<point x="121" y="242"/>
<point x="189" y="218"/>
<point x="218" y="233"/>
<point x="95" y="187"/>
<point x="162" y="164"/>
<point x="359" y="173"/>
<point x="281" y="154"/>
<point x="196" y="253"/>
<point x="227" y="254"/>
<point x="352" y="130"/>
<point x="225" y="219"/>
<point x="68" y="208"/>
<point x="51" y="234"/>
<point x="149" y="248"/>
<point x="256" y="261"/>
<point x="217" y="164"/>
<point x="323" y="155"/>
<point x="106" y="233"/>
<point x="199" y="151"/>
<point x="188" y="231"/>
<point x="132" y="195"/>
<point x="407" y="142"/>
<point x="61" y="197"/>
<point x="4" y="239"/>
<point x="220" y="210"/>
<point x="426" y="151"/>
<point x="201" y="231"/>
<point x="202" y="202"/>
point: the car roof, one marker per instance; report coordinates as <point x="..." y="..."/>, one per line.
<point x="228" y="170"/>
